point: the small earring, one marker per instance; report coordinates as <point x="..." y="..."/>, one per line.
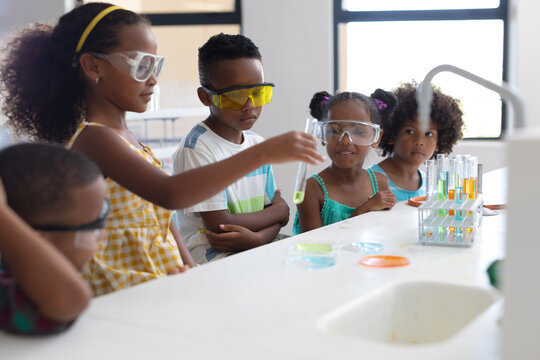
<point x="97" y="80"/>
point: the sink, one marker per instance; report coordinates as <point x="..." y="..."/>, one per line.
<point x="410" y="313"/>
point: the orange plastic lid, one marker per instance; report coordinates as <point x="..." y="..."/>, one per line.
<point x="384" y="261"/>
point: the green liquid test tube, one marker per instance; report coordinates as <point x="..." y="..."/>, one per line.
<point x="299" y="196"/>
<point x="301" y="175"/>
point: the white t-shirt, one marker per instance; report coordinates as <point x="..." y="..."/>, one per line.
<point x="251" y="193"/>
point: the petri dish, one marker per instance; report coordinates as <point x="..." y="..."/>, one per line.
<point x="384" y="261"/>
<point x="311" y="256"/>
<point x="311" y="262"/>
<point x="316" y="248"/>
<point x="363" y="247"/>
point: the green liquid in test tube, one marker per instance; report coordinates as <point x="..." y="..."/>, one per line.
<point x="442" y="190"/>
<point x="299" y="197"/>
<point x="301" y="175"/>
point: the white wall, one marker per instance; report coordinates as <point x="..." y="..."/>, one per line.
<point x="19" y="13"/>
<point x="526" y="69"/>
<point x="521" y="321"/>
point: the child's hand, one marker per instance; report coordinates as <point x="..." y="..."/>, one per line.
<point x="178" y="270"/>
<point x="234" y="238"/>
<point x="279" y="201"/>
<point x="291" y="146"/>
<point x="383" y="200"/>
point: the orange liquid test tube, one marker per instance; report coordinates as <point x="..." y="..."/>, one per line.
<point x="451" y="194"/>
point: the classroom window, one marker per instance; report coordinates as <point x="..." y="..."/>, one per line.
<point x="178" y="6"/>
<point x="385" y="43"/>
<point x="381" y="5"/>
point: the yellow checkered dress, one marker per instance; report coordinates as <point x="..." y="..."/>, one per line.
<point x="138" y="245"/>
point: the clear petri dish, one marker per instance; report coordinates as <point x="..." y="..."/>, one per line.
<point x="384" y="261"/>
<point x="315" y="248"/>
<point x="363" y="247"/>
<point x="311" y="256"/>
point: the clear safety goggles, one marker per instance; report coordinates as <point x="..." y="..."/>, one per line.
<point x="86" y="235"/>
<point x="236" y="97"/>
<point x="138" y="65"/>
<point x="357" y="132"/>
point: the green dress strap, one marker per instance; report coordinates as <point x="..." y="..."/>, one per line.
<point x="374" y="183"/>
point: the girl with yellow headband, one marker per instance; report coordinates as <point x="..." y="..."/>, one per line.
<point x="72" y="84"/>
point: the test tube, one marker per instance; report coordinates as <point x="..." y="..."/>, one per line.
<point x="301" y="174"/>
<point x="480" y="182"/>
<point x="452" y="181"/>
<point x="442" y="165"/>
<point x="431" y="179"/>
<point x="472" y="165"/>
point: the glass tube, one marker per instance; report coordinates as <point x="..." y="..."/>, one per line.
<point x="472" y="165"/>
<point x="431" y="179"/>
<point x="301" y="174"/>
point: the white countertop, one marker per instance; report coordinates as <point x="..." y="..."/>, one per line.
<point x="253" y="306"/>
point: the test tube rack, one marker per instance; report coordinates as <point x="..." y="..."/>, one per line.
<point x="447" y="223"/>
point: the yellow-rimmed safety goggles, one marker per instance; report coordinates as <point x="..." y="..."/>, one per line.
<point x="236" y="97"/>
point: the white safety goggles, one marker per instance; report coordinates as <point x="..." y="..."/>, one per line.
<point x="358" y="132"/>
<point x="138" y="65"/>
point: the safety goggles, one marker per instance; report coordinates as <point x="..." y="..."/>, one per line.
<point x="86" y="235"/>
<point x="94" y="225"/>
<point x="358" y="132"/>
<point x="138" y="65"/>
<point x="236" y="97"/>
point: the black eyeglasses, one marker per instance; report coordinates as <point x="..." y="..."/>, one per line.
<point x="94" y="225"/>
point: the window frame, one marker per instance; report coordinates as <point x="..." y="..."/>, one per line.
<point x="195" y="18"/>
<point x="500" y="13"/>
<point x="198" y="18"/>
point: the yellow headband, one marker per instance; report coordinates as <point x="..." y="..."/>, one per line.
<point x="93" y="24"/>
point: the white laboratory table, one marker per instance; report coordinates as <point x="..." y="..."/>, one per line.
<point x="253" y="306"/>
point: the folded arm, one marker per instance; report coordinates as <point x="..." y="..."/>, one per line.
<point x="275" y="213"/>
<point x="235" y="238"/>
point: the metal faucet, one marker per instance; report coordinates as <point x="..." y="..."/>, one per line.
<point x="424" y="95"/>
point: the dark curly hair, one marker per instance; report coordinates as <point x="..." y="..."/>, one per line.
<point x="42" y="84"/>
<point x="380" y="104"/>
<point x="39" y="178"/>
<point x="445" y="112"/>
<point x="224" y="47"/>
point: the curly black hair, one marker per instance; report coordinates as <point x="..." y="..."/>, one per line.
<point x="39" y="178"/>
<point x="380" y="104"/>
<point x="41" y="82"/>
<point x="224" y="47"/>
<point x="446" y="113"/>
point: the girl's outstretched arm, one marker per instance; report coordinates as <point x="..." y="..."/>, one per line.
<point x="110" y="152"/>
<point x="309" y="211"/>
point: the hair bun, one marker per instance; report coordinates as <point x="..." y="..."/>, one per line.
<point x="318" y="103"/>
<point x="385" y="97"/>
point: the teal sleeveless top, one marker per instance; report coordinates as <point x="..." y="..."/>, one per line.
<point x="333" y="211"/>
